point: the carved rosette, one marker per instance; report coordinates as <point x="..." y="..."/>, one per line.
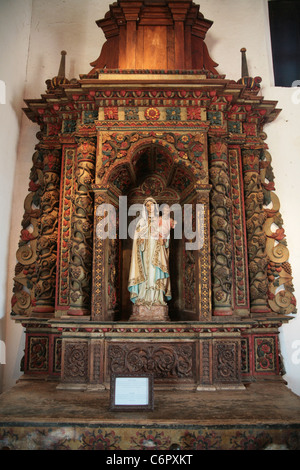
<point x="220" y="228"/>
<point x="256" y="237"/>
<point x="82" y="229"/>
<point x="280" y="281"/>
<point x="48" y="230"/>
<point x="23" y="298"/>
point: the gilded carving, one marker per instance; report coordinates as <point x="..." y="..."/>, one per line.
<point x="48" y="231"/>
<point x="256" y="237"/>
<point x="240" y="294"/>
<point x="82" y="229"/>
<point x="280" y="281"/>
<point x="220" y="228"/>
<point x="63" y="292"/>
<point x="139" y="133"/>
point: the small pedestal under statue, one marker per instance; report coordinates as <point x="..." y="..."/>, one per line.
<point x="149" y="276"/>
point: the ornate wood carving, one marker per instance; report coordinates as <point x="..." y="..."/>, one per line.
<point x="165" y="360"/>
<point x="241" y="301"/>
<point x="162" y="122"/>
<point x="82" y="229"/>
<point x="280" y="282"/>
<point x="101" y="304"/>
<point x="23" y="298"/>
<point x="75" y="362"/>
<point x="65" y="229"/>
<point x="221" y="204"/>
<point x="226" y="361"/>
<point x="255" y="219"/>
<point x="48" y="232"/>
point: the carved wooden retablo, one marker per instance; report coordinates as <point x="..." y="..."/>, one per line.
<point x="153" y="117"/>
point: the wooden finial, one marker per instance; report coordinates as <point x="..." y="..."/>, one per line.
<point x="245" y="72"/>
<point x="61" y="71"/>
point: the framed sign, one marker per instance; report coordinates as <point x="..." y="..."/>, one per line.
<point x="131" y="392"/>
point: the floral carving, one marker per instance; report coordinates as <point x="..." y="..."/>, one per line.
<point x="164" y="361"/>
<point x="152" y="114"/>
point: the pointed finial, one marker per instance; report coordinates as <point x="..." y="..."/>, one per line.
<point x="60" y="79"/>
<point x="252" y="84"/>
<point x="62" y="71"/>
<point x="245" y="72"/>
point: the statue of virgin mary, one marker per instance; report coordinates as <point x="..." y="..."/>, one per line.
<point x="149" y="277"/>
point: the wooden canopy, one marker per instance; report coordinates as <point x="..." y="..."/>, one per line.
<point x="154" y="34"/>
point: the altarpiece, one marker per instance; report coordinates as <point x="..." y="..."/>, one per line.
<point x="154" y="118"/>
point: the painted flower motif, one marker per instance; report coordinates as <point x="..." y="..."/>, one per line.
<point x="148" y="440"/>
<point x="152" y="114"/>
<point x="173" y="114"/>
<point x="200" y="440"/>
<point x="111" y="113"/>
<point x="131" y="114"/>
<point x="194" y="113"/>
<point x="185" y="139"/>
<point x="121" y="154"/>
<point x="249" y="128"/>
<point x="89" y="117"/>
<point x="250" y="441"/>
<point x="119" y="138"/>
<point x="99" y="440"/>
<point x="234" y="127"/>
<point x="183" y="155"/>
<point x="215" y="118"/>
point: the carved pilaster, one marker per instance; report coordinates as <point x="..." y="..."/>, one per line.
<point x="82" y="229"/>
<point x="256" y="236"/>
<point x="48" y="231"/>
<point x="220" y="227"/>
<point x="25" y="271"/>
<point x="197" y="265"/>
<point x="99" y="308"/>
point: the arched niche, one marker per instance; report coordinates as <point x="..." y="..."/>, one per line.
<point x="150" y="168"/>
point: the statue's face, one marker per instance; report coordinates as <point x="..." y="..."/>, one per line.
<point x="150" y="207"/>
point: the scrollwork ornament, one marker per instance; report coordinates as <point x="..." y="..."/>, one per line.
<point x="280" y="287"/>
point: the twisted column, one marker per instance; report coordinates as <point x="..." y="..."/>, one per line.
<point x="221" y="237"/>
<point x="48" y="230"/>
<point x="256" y="237"/>
<point x="82" y="229"/>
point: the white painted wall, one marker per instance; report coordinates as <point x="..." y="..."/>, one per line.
<point x="15" y="21"/>
<point x="70" y="25"/>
